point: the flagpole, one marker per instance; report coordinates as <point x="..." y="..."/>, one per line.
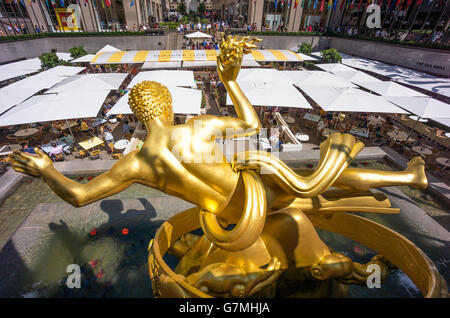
<point x="17" y="21"/>
<point x="295" y="17"/>
<point x="414" y="18"/>
<point x="7" y="16"/>
<point x="137" y="15"/>
<point x="429" y="11"/>
<point x="90" y="15"/>
<point x="439" y="20"/>
<point x="386" y="14"/>
<point x="21" y="13"/>
<point x="34" y="13"/>
<point x="82" y="15"/>
<point x="401" y="22"/>
<point x="43" y="15"/>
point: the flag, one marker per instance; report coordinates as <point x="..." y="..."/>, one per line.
<point x="342" y="4"/>
<point x="62" y="3"/>
<point x="419" y="2"/>
<point x="289" y="3"/>
<point x="398" y="3"/>
<point x="103" y="4"/>
<point x="46" y="2"/>
<point x="351" y="4"/>
<point x="321" y="6"/>
<point x="85" y="2"/>
<point x="132" y="3"/>
<point x="408" y="3"/>
<point x="282" y="3"/>
<point x="359" y="4"/>
<point x="296" y="4"/>
<point x="276" y="4"/>
<point x="335" y="4"/>
<point x="108" y="3"/>
<point x="309" y="3"/>
<point x="330" y="2"/>
<point x="315" y="4"/>
<point x="53" y="3"/>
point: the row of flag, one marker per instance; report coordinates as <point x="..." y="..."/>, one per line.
<point x="397" y="4"/>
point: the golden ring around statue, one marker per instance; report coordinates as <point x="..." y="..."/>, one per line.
<point x="395" y="247"/>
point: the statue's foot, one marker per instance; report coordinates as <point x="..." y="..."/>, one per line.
<point x="416" y="166"/>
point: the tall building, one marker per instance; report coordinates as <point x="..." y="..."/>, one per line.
<point x="78" y="15"/>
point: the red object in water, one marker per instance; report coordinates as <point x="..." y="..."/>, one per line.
<point x="100" y="274"/>
<point x="365" y="163"/>
<point x="125" y="231"/>
<point x="93" y="232"/>
<point x="93" y="262"/>
<point x="80" y="178"/>
<point x="90" y="178"/>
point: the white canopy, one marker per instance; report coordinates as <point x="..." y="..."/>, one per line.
<point x="356" y="77"/>
<point x="86" y="82"/>
<point x="64" y="56"/>
<point x="317" y="78"/>
<point x="390" y="89"/>
<point x="424" y="107"/>
<point x="263" y="75"/>
<point x="350" y="100"/>
<point x="272" y="94"/>
<point x="19" y="91"/>
<point x="400" y="74"/>
<point x="84" y="59"/>
<point x="184" y="101"/>
<point x="201" y="64"/>
<point x="443" y="121"/>
<point x="167" y="78"/>
<point x="161" y="65"/>
<point x="19" y="68"/>
<point x="335" y="67"/>
<point x="304" y="56"/>
<point x="51" y="107"/>
<point x="108" y="48"/>
<point x="198" y="34"/>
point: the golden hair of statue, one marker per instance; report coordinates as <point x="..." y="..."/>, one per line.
<point x="274" y="210"/>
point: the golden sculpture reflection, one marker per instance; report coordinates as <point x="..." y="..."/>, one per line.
<point x="272" y="212"/>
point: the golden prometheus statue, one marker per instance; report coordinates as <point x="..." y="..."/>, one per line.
<point x="272" y="211"/>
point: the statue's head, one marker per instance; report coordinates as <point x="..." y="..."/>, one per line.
<point x="149" y="100"/>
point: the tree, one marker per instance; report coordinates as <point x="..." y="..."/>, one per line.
<point x="305" y="48"/>
<point x="181" y="8"/>
<point x="331" y="56"/>
<point x="201" y="8"/>
<point x="77" y="51"/>
<point x="49" y="60"/>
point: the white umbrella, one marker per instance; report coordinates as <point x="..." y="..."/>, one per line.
<point x="350" y="100"/>
<point x="424" y="107"/>
<point x="263" y="75"/>
<point x="335" y="67"/>
<point x="85" y="82"/>
<point x="356" y="77"/>
<point x="184" y="101"/>
<point x="84" y="59"/>
<point x="272" y="94"/>
<point x="390" y="89"/>
<point x="107" y="48"/>
<point x="167" y="78"/>
<point x="198" y="35"/>
<point x="51" y="107"/>
<point x="317" y="78"/>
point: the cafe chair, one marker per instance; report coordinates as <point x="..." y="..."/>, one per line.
<point x="80" y="153"/>
<point x="95" y="154"/>
<point x="59" y="157"/>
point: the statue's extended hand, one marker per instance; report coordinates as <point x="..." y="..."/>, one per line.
<point x="32" y="165"/>
<point x="231" y="54"/>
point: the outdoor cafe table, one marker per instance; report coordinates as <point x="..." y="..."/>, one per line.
<point x="311" y="117"/>
<point x="8" y="149"/>
<point x="289" y="119"/>
<point x="443" y="161"/>
<point x="90" y="143"/>
<point x="69" y="125"/>
<point x="121" y="144"/>
<point x="26" y="132"/>
<point x="422" y="150"/>
<point x="48" y="147"/>
<point x="399" y="135"/>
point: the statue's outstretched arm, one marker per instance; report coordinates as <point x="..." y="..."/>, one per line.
<point x="120" y="176"/>
<point x="229" y="63"/>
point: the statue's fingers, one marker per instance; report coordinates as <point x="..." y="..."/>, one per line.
<point x="245" y="39"/>
<point x="39" y="151"/>
<point x="18" y="159"/>
<point x="235" y="39"/>
<point x="20" y="154"/>
<point x="22" y="169"/>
